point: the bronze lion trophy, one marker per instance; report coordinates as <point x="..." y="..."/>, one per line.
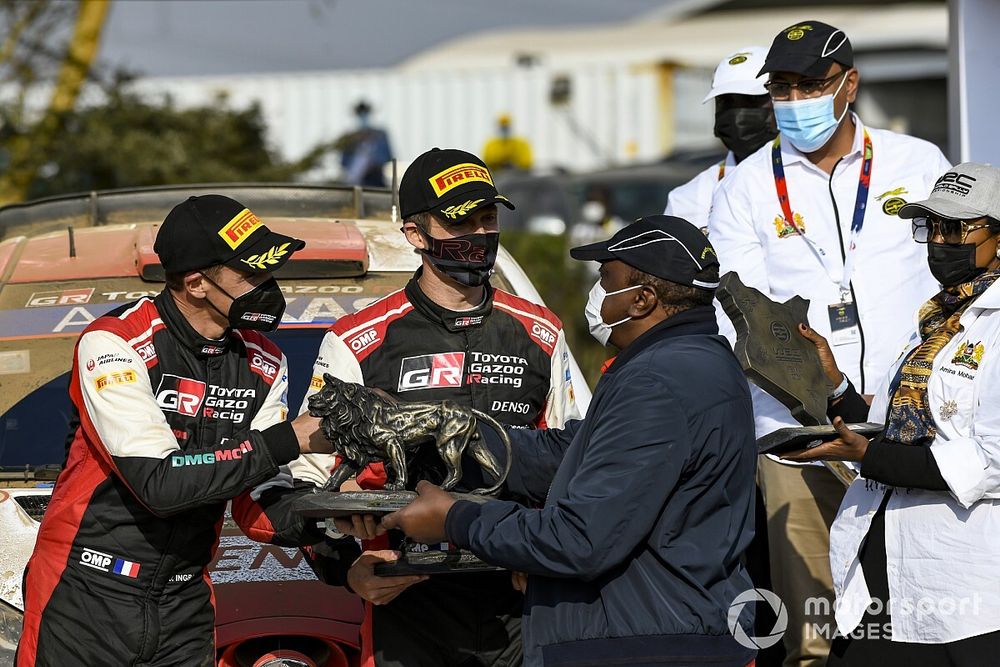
<point x="368" y="426"/>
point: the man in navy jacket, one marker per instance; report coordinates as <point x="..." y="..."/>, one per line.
<point x="634" y="558"/>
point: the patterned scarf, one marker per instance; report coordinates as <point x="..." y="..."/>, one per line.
<point x="910" y="420"/>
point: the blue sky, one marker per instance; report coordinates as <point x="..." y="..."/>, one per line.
<point x="191" y="37"/>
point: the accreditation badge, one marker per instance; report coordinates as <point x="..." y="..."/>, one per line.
<point x="844" y="328"/>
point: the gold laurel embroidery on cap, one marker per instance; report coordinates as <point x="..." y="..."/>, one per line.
<point x="264" y="259"/>
<point x="462" y="209"/>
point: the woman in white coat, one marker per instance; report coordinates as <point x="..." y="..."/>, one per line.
<point x="915" y="548"/>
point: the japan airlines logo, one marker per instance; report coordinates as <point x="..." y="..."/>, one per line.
<point x="182" y="395"/>
<point x="432" y="371"/>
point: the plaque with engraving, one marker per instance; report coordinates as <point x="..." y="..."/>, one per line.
<point x="773" y="354"/>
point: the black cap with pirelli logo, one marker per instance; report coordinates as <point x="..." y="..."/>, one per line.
<point x="449" y="183"/>
<point x="213" y="229"/>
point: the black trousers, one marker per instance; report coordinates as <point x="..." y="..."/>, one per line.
<point x="879" y="650"/>
<point x="454" y="620"/>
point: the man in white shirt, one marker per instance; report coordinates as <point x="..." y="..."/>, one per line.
<point x="743" y="122"/>
<point x="814" y="214"/>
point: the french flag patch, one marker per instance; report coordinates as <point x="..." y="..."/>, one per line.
<point x="126" y="568"/>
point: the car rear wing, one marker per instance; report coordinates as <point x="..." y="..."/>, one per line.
<point x="107" y="207"/>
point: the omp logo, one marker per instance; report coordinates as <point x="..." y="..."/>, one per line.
<point x="452" y="177"/>
<point x="363" y="340"/>
<point x="240" y="227"/>
<point x="258" y="361"/>
<point x="432" y="371"/>
<point x="208" y="458"/>
<point x="182" y="395"/>
<point x="146" y="351"/>
<point x="543" y="334"/>
<point x="96" y="559"/>
<point x="60" y="297"/>
<point x="118" y="377"/>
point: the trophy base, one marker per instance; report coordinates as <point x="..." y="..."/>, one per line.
<point x="794" y="438"/>
<point x="434" y="562"/>
<point x="337" y="504"/>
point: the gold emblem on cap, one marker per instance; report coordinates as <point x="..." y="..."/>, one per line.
<point x="268" y="258"/>
<point x="457" y="210"/>
<point x="739" y="58"/>
<point x="797" y="32"/>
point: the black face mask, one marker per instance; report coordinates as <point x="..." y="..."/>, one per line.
<point x="468" y="259"/>
<point x="953" y="263"/>
<point x="744" y="130"/>
<point x="260" y="309"/>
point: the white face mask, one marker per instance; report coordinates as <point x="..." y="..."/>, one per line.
<point x="598" y="328"/>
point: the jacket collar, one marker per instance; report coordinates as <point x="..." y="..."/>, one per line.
<point x="453" y="320"/>
<point x="699" y="320"/>
<point x="182" y="330"/>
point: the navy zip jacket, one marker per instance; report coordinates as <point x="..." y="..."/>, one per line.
<point x="635" y="557"/>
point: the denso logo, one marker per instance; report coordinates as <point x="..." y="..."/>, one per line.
<point x="543" y="334"/>
<point x="177" y="394"/>
<point x="432" y="371"/>
<point x="363" y="340"/>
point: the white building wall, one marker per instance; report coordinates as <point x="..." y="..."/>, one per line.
<point x="616" y="105"/>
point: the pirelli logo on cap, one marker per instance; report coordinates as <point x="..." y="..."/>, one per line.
<point x="239" y="228"/>
<point x="452" y="177"/>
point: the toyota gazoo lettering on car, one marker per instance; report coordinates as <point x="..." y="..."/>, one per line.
<point x="68" y="260"/>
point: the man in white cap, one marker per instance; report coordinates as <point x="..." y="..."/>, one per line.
<point x="744" y="121"/>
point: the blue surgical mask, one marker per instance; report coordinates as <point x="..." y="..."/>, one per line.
<point x="808" y="124"/>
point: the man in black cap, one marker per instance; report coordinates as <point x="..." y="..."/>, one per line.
<point x="813" y="214"/>
<point x="634" y="557"/>
<point x="448" y="335"/>
<point x="181" y="406"/>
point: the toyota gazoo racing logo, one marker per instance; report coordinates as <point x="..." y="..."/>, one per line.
<point x="229" y="403"/>
<point x="751" y="597"/>
<point x="432" y="371"/>
<point x="182" y="395"/>
<point x="505" y="369"/>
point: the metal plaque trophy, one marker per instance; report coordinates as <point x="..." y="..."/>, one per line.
<point x="368" y="426"/>
<point x="784" y="364"/>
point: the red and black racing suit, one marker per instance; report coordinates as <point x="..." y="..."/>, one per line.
<point x="172" y="425"/>
<point x="508" y="358"/>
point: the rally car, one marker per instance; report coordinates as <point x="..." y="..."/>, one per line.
<point x="65" y="261"/>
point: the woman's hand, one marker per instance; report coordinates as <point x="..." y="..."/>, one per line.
<point x="850" y="446"/>
<point x="830" y="368"/>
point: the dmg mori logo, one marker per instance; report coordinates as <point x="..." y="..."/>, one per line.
<point x="177" y="394"/>
<point x="432" y="371"/>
